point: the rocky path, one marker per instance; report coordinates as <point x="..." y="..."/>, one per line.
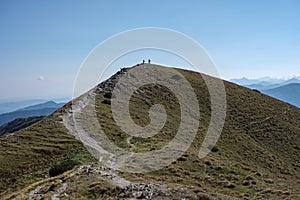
<point x="128" y="189"/>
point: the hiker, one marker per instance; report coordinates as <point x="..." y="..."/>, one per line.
<point x="149" y="61"/>
<point x="143" y="61"/>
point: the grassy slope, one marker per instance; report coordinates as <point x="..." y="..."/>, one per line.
<point x="260" y="142"/>
<point x="27" y="155"/>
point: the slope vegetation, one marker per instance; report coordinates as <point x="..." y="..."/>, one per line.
<point x="256" y="157"/>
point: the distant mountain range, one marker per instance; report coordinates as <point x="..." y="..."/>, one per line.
<point x="282" y="89"/>
<point x="264" y="83"/>
<point x="18" y="124"/>
<point x="13" y="105"/>
<point x="289" y="93"/>
<point x="42" y="109"/>
<point x="10" y="105"/>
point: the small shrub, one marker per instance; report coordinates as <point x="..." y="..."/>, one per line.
<point x="106" y="101"/>
<point x="207" y="162"/>
<point x="213" y="148"/>
<point x="182" y="159"/>
<point x="108" y="95"/>
<point x="176" y="77"/>
<point x="62" y="167"/>
<point x="255" y="90"/>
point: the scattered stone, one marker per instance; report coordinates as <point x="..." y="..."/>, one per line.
<point x="258" y="174"/>
<point x="285" y="192"/>
<point x="249" y="178"/>
<point x="270" y="181"/>
<point x="246" y="182"/>
<point x="227" y="184"/>
<point x="267" y="190"/>
<point x="245" y="168"/>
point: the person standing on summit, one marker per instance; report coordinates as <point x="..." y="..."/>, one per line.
<point x="149" y="61"/>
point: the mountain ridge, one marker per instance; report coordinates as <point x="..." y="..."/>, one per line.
<point x="47" y="104"/>
<point x="289" y="93"/>
<point x="13" y="104"/>
<point x="284" y="90"/>
<point x="265" y="81"/>
<point x="18" y="124"/>
<point x="42" y="109"/>
<point x="255" y="157"/>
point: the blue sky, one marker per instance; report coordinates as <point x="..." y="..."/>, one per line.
<point x="43" y="43"/>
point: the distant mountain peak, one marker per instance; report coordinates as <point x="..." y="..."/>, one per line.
<point x="41" y="109"/>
